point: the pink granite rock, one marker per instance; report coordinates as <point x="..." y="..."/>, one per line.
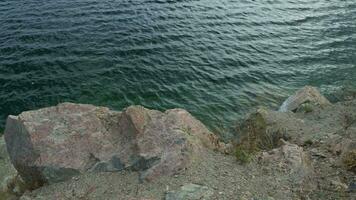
<point x="164" y="143"/>
<point x="53" y="144"/>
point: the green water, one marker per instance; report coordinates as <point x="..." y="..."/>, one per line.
<point x="217" y="59"/>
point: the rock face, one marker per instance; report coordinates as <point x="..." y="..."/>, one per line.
<point x="288" y="156"/>
<point x="291" y="161"/>
<point x="190" y="192"/>
<point x="163" y="143"/>
<point x="263" y="129"/>
<point x="6" y="168"/>
<point x="53" y="144"/>
<point x="10" y="183"/>
<point x="348" y="156"/>
<point x="307" y="94"/>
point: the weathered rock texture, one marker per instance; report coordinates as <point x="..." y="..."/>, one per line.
<point x="53" y="144"/>
<point x="10" y="182"/>
<point x="289" y="156"/>
<point x="263" y="128"/>
<point x="162" y="143"/>
<point x="291" y="161"/>
<point x="307" y="94"/>
<point x="345" y="148"/>
<point x="324" y="134"/>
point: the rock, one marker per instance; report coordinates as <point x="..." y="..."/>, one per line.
<point x="345" y="149"/>
<point x="190" y="192"/>
<point x="348" y="157"/>
<point x="164" y="143"/>
<point x="288" y="156"/>
<point x="53" y="144"/>
<point x="262" y="130"/>
<point x="307" y="94"/>
<point x="56" y="143"/>
<point x="11" y="183"/>
<point x="291" y="163"/>
<point x="6" y="168"/>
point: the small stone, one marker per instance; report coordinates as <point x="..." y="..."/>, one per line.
<point x="190" y="192"/>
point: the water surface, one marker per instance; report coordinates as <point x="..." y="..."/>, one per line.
<point x="217" y="59"/>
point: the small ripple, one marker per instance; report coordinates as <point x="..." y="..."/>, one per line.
<point x="215" y="58"/>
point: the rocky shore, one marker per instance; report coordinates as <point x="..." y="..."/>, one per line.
<point x="305" y="150"/>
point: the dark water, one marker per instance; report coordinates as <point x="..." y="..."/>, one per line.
<point x="216" y="58"/>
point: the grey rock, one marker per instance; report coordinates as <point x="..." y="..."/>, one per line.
<point x="288" y="156"/>
<point x="348" y="155"/>
<point x="290" y="161"/>
<point x="307" y="94"/>
<point x="263" y="129"/>
<point x="190" y="192"/>
<point x="10" y="182"/>
<point x="345" y="150"/>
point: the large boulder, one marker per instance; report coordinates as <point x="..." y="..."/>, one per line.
<point x="55" y="143"/>
<point x="163" y="143"/>
<point x="307" y="95"/>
